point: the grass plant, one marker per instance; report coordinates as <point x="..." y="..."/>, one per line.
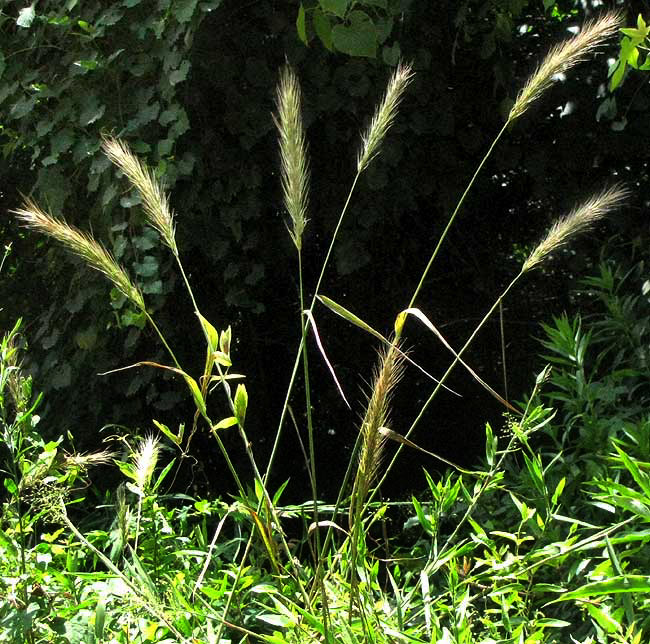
<point x="500" y="553"/>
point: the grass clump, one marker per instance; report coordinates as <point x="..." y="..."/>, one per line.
<point x="502" y="553"/>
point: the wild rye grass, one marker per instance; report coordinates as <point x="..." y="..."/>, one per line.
<point x="489" y="563"/>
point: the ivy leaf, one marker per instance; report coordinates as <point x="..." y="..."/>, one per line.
<point x="22" y="107"/>
<point x="358" y="38"/>
<point x="184" y="10"/>
<point x="148" y="267"/>
<point x="26" y="17"/>
<point x="86" y="339"/>
<point x="165" y="147"/>
<point x="392" y="54"/>
<point x="61" y="141"/>
<point x="168" y="116"/>
<point x="153" y="288"/>
<point x="61" y="377"/>
<point x="91" y="112"/>
<point x="180" y="74"/>
<point x="131" y="200"/>
<point x="337" y="7"/>
<point x="323" y="28"/>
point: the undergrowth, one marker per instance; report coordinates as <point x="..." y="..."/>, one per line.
<point x="544" y="542"/>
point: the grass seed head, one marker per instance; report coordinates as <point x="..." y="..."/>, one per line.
<point x="154" y="200"/>
<point x="564" y="56"/>
<point x="384" y="116"/>
<point x="145" y="460"/>
<point x="293" y="153"/>
<point x="82" y="245"/>
<point x="580" y="219"/>
<point x="387" y="375"/>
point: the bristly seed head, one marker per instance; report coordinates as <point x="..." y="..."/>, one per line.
<point x="577" y="221"/>
<point x="81" y="244"/>
<point x="388" y="373"/>
<point x="293" y="153"/>
<point x="154" y="200"/>
<point x="145" y="460"/>
<point x="384" y="116"/>
<point x="564" y="56"/>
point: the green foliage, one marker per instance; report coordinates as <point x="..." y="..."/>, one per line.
<point x="632" y="55"/>
<point x="503" y="553"/>
<point x="356" y="28"/>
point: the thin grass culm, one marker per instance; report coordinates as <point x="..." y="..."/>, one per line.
<point x="82" y="245"/>
<point x="372" y="139"/>
<point x="580" y="219"/>
<point x="295" y="192"/>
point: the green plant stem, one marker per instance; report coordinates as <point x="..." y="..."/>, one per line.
<point x="231" y="595"/>
<point x="418" y="288"/>
<point x="312" y="450"/>
<point x="442" y="380"/>
<point x="148" y="602"/>
<point x="310" y="423"/>
<point x="162" y="339"/>
<point x="294" y="371"/>
<point x="247" y="444"/>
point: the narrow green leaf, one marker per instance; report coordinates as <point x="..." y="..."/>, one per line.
<point x="225" y="423"/>
<point x="350" y="317"/>
<point x="163" y="474"/>
<point x="321" y="348"/>
<point x="301" y="27"/>
<point x="196" y="394"/>
<point x="100" y="619"/>
<point x="167" y="432"/>
<point x="224" y="342"/>
<point x="603" y="617"/>
<point x="618" y="584"/>
<point x="490" y="445"/>
<point x="211" y="334"/>
<point x="535" y="472"/>
<point x="640" y="478"/>
<point x="241" y="403"/>
<point x="222" y="358"/>
<point x="558" y="490"/>
<point x="418" y="314"/>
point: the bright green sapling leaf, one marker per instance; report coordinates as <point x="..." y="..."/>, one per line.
<point x="241" y="403"/>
